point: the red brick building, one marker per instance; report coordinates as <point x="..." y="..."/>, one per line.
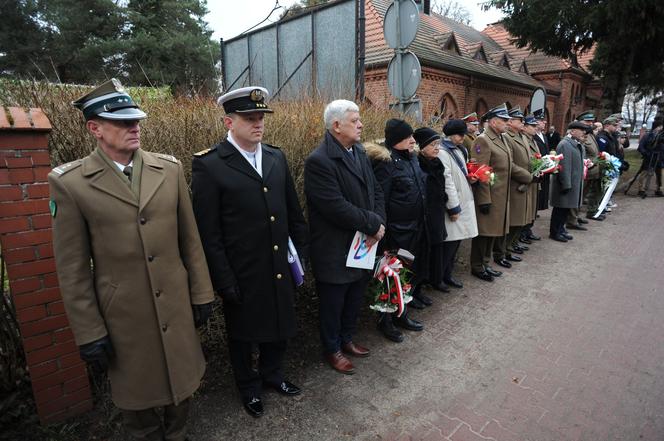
<point x="465" y="70"/>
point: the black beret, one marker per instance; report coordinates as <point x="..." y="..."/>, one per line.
<point x="425" y="136"/>
<point x="455" y="127"/>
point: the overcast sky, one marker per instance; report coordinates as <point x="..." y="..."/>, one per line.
<point x="229" y="18"/>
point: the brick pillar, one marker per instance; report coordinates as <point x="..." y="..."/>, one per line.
<point x="59" y="378"/>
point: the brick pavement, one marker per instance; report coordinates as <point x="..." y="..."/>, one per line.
<point x="565" y="346"/>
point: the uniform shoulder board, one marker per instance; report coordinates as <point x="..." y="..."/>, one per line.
<point x="205" y="152"/>
<point x="170" y="158"/>
<point x="65" y="168"/>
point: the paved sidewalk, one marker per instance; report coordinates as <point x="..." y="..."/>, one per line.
<point x="567" y="345"/>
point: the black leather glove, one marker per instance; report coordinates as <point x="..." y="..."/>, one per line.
<point x="232" y="295"/>
<point x="485" y="208"/>
<point x="565" y="191"/>
<point x="202" y="314"/>
<point x="98" y="353"/>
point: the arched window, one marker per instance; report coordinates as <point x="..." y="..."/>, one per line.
<point x="568" y="119"/>
<point x="480" y="107"/>
<point x="448" y="108"/>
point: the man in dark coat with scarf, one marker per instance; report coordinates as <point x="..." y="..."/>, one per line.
<point x="343" y="197"/>
<point x="403" y="182"/>
<point x="567" y="184"/>
<point x="246" y="208"/>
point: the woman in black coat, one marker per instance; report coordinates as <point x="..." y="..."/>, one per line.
<point x="436" y="199"/>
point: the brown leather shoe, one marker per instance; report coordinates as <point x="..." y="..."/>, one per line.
<point x="355" y="350"/>
<point x="340" y="363"/>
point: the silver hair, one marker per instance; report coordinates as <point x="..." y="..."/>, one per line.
<point x="336" y="110"/>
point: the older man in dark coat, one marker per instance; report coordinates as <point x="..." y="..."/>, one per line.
<point x="567" y="184"/>
<point x="246" y="208"/>
<point x="343" y="197"/>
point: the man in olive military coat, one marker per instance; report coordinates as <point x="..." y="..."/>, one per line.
<point x="491" y="200"/>
<point x="247" y="208"/>
<point x="128" y="213"/>
<point x="520" y="200"/>
<point x="472" y="126"/>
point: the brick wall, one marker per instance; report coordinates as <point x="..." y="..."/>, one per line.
<point x="59" y="377"/>
<point x="462" y="94"/>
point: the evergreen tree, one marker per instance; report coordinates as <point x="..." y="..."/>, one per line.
<point x="168" y="43"/>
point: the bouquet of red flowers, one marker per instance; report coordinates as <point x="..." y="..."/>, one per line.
<point x="390" y="288"/>
<point x="544" y="165"/>
<point x="482" y="172"/>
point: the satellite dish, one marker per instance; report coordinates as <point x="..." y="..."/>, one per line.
<point x="411" y="75"/>
<point x="400" y="30"/>
<point x="538" y="102"/>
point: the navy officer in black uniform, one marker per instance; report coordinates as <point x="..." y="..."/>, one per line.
<point x="246" y="208"/>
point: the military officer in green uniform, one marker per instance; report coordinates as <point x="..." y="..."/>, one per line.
<point x="520" y="193"/>
<point x="472" y="126"/>
<point x="491" y="201"/>
<point x="593" y="184"/>
<point x="131" y="267"/>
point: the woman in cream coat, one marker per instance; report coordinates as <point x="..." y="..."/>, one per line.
<point x="460" y="220"/>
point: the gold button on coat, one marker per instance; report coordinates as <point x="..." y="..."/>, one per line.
<point x="276" y="247"/>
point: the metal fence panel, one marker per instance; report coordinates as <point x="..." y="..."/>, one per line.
<point x="237" y="55"/>
<point x="263" y="51"/>
<point x="294" y="46"/>
<point x="335" y="51"/>
<point x="280" y="56"/>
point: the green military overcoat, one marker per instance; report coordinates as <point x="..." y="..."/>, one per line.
<point x="489" y="149"/>
<point x="131" y="267"/>
<point x="533" y="150"/>
<point x="521" y="202"/>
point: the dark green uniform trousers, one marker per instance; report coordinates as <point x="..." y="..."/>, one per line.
<point x="147" y="425"/>
<point x="480" y="252"/>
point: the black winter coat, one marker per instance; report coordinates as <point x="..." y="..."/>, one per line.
<point x="436" y="198"/>
<point x="343" y="197"/>
<point x="403" y="183"/>
<point x="244" y="221"/>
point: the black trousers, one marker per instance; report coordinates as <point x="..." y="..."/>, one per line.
<point x="558" y="219"/>
<point x="338" y="309"/>
<point x="449" y="254"/>
<point x="249" y="378"/>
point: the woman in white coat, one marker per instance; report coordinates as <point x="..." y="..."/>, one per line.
<point x="460" y="220"/>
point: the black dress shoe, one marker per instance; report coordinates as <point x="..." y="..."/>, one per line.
<point x="386" y="326"/>
<point x="516" y="250"/>
<point x="521" y="247"/>
<point x="426" y="301"/>
<point x="558" y="237"/>
<point x="513" y="258"/>
<point x="483" y="275"/>
<point x="601" y="217"/>
<point x="582" y="221"/>
<point x="285" y="388"/>
<point x="454" y="282"/>
<point x="493" y="272"/>
<point x="566" y="235"/>
<point x="503" y="262"/>
<point x="254" y="407"/>
<point x="577" y="227"/>
<point x="441" y="287"/>
<point x="525" y="240"/>
<point x="416" y="304"/>
<point x="408" y="323"/>
<point x="532" y="236"/>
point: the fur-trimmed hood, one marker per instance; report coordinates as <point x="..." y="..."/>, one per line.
<point x="377" y="152"/>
